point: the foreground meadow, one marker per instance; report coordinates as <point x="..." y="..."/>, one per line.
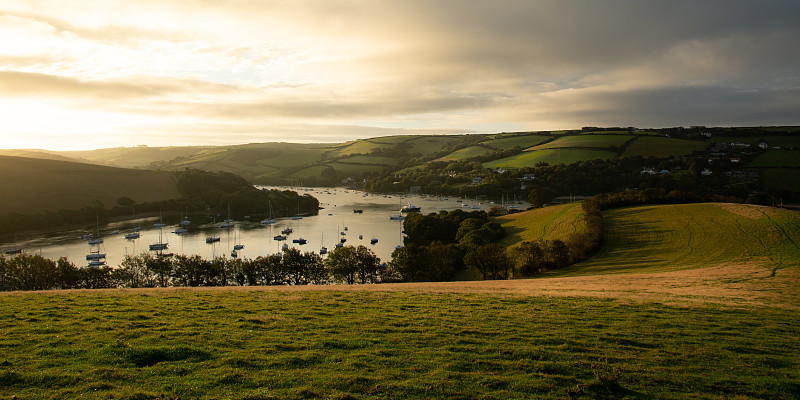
<point x="409" y="341"/>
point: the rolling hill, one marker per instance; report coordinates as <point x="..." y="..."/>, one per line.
<point x="32" y="185"/>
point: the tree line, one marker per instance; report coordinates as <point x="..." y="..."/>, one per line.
<point x="347" y="264"/>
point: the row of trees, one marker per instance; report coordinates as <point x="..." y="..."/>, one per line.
<point x="345" y="264"/>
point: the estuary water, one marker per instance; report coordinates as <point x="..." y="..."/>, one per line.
<point x="335" y="221"/>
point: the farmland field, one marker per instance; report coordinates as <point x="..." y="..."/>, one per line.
<point x="523" y="141"/>
<point x="467" y="152"/>
<point x="430" y="144"/>
<point x="553" y="222"/>
<point x="654" y="146"/>
<point x="550" y="156"/>
<point x="777" y="158"/>
<point x="584" y="141"/>
<point x="674" y="237"/>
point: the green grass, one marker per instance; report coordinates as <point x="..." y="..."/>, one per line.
<point x="552" y="222"/>
<point x="36" y="185"/>
<point x="467" y="152"/>
<point x="370" y="160"/>
<point x="344" y="169"/>
<point x="674" y="237"/>
<point x="341" y="345"/>
<point x="550" y="156"/>
<point x="431" y="144"/>
<point x="781" y="179"/>
<point x="777" y="158"/>
<point x="660" y="147"/>
<point x="523" y="141"/>
<point x="590" y="141"/>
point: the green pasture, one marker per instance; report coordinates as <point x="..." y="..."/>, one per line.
<point x="673" y="237"/>
<point x="777" y="158"/>
<point x="524" y="141"/>
<point x="550" y="156"/>
<point x="130" y="157"/>
<point x="467" y="152"/>
<point x="36" y="185"/>
<point x="431" y="144"/>
<point x="585" y="141"/>
<point x="661" y="147"/>
<point x="551" y="223"/>
<point x="357" y="147"/>
<point x="293" y="344"/>
<point x="781" y="179"/>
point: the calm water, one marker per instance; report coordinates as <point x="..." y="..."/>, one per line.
<point x="322" y="229"/>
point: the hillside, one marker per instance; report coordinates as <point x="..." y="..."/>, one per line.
<point x="33" y="185"/>
<point x="554" y="222"/>
<point x="667" y="238"/>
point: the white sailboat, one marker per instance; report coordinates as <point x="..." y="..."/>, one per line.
<point x="160" y="245"/>
<point x="271" y="219"/>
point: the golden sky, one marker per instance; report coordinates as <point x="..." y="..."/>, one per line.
<point x="89" y="74"/>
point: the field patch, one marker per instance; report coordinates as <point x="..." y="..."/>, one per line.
<point x="550" y="156"/>
<point x="777" y="158"/>
<point x="467" y="152"/>
<point x="551" y="223"/>
<point x="585" y="141"/>
<point x="675" y="237"/>
<point x="524" y="141"/>
<point x="661" y="147"/>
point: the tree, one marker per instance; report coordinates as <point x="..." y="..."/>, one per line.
<point x="539" y="197"/>
<point x="409" y="263"/>
<point x="528" y="258"/>
<point x="491" y="260"/>
<point x="341" y="263"/>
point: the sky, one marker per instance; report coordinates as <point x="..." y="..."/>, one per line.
<point x="105" y="73"/>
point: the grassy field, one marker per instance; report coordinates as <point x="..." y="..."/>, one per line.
<point x="777" y="158"/>
<point x="36" y="185"/>
<point x="585" y="141"/>
<point x="467" y="152"/>
<point x="523" y="141"/>
<point x="550" y="156"/>
<point x="675" y="237"/>
<point x="414" y="343"/>
<point x="781" y="178"/>
<point x="655" y="146"/>
<point x="553" y="222"/>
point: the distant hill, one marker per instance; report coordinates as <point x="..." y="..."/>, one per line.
<point x="330" y="163"/>
<point x="33" y="185"/>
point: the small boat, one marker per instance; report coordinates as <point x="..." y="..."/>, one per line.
<point x="300" y="241"/>
<point x="180" y="231"/>
<point x="342" y="240"/>
<point x="285" y="246"/>
<point x="115" y="232"/>
<point x="323" y="250"/>
<point x="228" y="222"/>
<point x="338" y="245"/>
<point x="279" y="237"/>
<point x="360" y="237"/>
<point x="358" y="211"/>
<point x="87" y="236"/>
<point x="234" y="254"/>
<point x="132" y="235"/>
<point x="212" y="239"/>
<point x="95" y="256"/>
<point x="97" y="263"/>
<point x="373" y="240"/>
<point x="408" y="208"/>
<point x="287" y="231"/>
<point x="397" y="218"/>
<point x="96" y="241"/>
<point x="158" y="246"/>
<point x="13" y="251"/>
<point x="238" y="246"/>
<point x="185" y="221"/>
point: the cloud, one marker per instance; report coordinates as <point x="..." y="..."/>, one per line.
<point x="532" y="64"/>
